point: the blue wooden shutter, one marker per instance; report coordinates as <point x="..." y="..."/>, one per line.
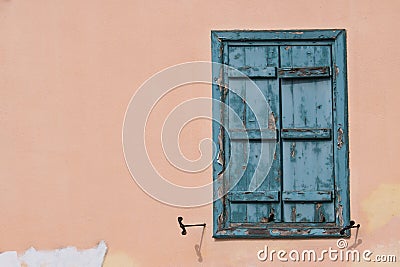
<point x="308" y="163"/>
<point x="262" y="204"/>
<point x="302" y="75"/>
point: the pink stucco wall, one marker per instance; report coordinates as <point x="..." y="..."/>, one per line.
<point x="67" y="72"/>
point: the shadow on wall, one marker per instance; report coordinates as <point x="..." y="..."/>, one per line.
<point x="197" y="247"/>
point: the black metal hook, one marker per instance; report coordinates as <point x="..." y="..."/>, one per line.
<point x="351" y="225"/>
<point x="183" y="226"/>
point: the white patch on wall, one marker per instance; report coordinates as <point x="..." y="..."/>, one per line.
<point x="9" y="259"/>
<point x="65" y="257"/>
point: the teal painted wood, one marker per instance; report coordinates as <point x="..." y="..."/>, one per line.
<point x="288" y="35"/>
<point x="253" y="72"/>
<point x="265" y="134"/>
<point x="273" y="177"/>
<point x="259" y="196"/>
<point x="319" y="151"/>
<point x="238" y="149"/>
<point x="224" y="134"/>
<point x="274" y="231"/>
<point x="261" y="161"/>
<point x="259" y="131"/>
<point x="306" y="133"/>
<point x="307" y="104"/>
<point x="340" y="113"/>
<point x="219" y="218"/>
<point x="307" y="196"/>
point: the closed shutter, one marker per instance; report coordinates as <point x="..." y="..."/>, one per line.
<point x="308" y="174"/>
<point x="285" y="149"/>
<point x="256" y="196"/>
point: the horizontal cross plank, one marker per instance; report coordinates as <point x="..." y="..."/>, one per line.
<point x="306" y="72"/>
<point x="307" y="196"/>
<point x="264" y="134"/>
<point x="252" y="72"/>
<point x="257" y="196"/>
<point x="306" y="133"/>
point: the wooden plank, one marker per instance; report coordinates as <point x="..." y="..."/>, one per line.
<point x="224" y="219"/>
<point x="269" y="150"/>
<point x="261" y="35"/>
<point x="307" y="196"/>
<point x="236" y="56"/>
<point x="252" y="72"/>
<point x="238" y="149"/>
<point x="218" y="210"/>
<point x="250" y="101"/>
<point x="305" y="56"/>
<point x="258" y="117"/>
<point x="260" y="196"/>
<point x="305" y="72"/>
<point x="306" y="103"/>
<point x="253" y="175"/>
<point x="278" y="42"/>
<point x="251" y="134"/>
<point x="237" y="111"/>
<point x="256" y="102"/>
<point x="307" y="166"/>
<point x="306" y="133"/>
<point x="340" y="93"/>
<point x="238" y="176"/>
<point x="258" y="167"/>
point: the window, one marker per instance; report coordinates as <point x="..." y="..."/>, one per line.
<point x="281" y="131"/>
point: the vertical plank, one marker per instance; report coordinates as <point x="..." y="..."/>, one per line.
<point x="255" y="56"/>
<point x="269" y="161"/>
<point x="226" y="140"/>
<point x="253" y="209"/>
<point x="261" y="152"/>
<point x="272" y="91"/>
<point x="219" y="207"/>
<point x="238" y="151"/>
<point x="307" y="104"/>
<point x="238" y="211"/>
<point x="236" y="56"/>
<point x="341" y="122"/>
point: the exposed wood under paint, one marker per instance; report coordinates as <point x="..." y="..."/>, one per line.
<point x="307" y="196"/>
<point x="305" y="72"/>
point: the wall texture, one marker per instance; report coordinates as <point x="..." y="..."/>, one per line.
<point x="67" y="72"/>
